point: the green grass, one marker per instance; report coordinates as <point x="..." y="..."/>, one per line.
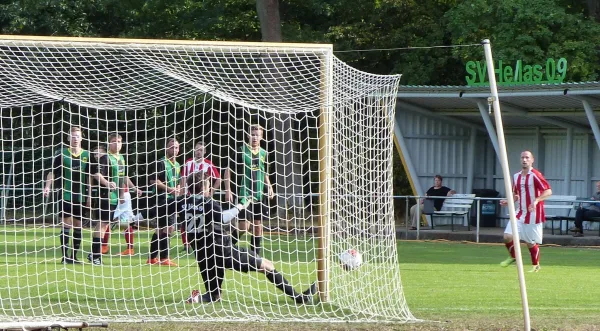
<point x="465" y="284"/>
<point x="450" y="285"/>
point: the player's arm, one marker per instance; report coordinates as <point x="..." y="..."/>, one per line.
<point x="183" y="178"/>
<point x="270" y="191"/>
<point x="182" y="183"/>
<point x="159" y="180"/>
<point x="102" y="173"/>
<point x="160" y="186"/>
<point x="90" y="183"/>
<point x="54" y="173"/>
<point x="226" y="216"/>
<point x="545" y="195"/>
<point x="233" y="164"/>
<point x="216" y="184"/>
<point x="132" y="186"/>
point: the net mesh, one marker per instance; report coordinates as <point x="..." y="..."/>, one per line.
<point x="327" y="137"/>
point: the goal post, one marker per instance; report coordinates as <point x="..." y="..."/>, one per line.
<point x="336" y="160"/>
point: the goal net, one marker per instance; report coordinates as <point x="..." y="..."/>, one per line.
<point x="327" y="151"/>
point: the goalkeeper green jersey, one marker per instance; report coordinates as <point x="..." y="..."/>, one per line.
<point x="70" y="174"/>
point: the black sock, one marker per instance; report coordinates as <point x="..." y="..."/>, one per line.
<point x="76" y="243"/>
<point x="255" y="244"/>
<point x="64" y="241"/>
<point x="163" y="243"/>
<point x="154" y="246"/>
<point x="281" y="283"/>
<point x="96" y="248"/>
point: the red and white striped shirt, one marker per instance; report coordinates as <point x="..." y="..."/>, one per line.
<point x="529" y="187"/>
<point x="191" y="166"/>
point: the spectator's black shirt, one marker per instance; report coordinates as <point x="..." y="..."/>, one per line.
<point x="438" y="192"/>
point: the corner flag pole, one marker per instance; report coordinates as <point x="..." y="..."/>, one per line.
<point x="507" y="178"/>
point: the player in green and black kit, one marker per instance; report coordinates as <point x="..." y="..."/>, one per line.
<point x="112" y="179"/>
<point x="69" y="173"/>
<point x="165" y="184"/>
<point x="251" y="164"/>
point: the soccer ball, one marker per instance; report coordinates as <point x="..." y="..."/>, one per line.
<point x="350" y="259"/>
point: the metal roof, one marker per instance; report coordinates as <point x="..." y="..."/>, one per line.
<point x="542" y="105"/>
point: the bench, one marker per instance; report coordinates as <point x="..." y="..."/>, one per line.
<point x="594" y="219"/>
<point x="455" y="205"/>
<point x="560" y="208"/>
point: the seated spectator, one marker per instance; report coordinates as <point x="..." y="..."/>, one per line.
<point x="437" y="190"/>
<point x="584" y="213"/>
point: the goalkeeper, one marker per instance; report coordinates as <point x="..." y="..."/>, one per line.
<point x="206" y="227"/>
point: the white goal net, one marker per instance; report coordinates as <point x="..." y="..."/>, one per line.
<point x="326" y="149"/>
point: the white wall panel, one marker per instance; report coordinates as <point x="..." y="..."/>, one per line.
<point x="439" y="147"/>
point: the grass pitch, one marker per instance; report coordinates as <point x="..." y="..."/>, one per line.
<point x="450" y="285"/>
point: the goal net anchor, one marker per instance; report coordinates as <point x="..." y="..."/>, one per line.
<point x="50" y="326"/>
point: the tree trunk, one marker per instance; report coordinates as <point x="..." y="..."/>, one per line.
<point x="288" y="168"/>
<point x="270" y="23"/>
<point x="594" y="9"/>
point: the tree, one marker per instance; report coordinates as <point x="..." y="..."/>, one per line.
<point x="527" y="31"/>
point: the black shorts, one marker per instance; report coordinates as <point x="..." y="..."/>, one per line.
<point x="165" y="212"/>
<point x="71" y="209"/>
<point x="106" y="211"/>
<point x="221" y="253"/>
<point x="257" y="211"/>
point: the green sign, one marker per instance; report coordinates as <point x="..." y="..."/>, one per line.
<point x="552" y="72"/>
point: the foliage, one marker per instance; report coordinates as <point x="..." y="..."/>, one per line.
<point x="528" y="31"/>
<point x="519" y="29"/>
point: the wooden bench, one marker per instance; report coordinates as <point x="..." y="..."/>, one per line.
<point x="560" y="208"/>
<point x="455" y="205"/>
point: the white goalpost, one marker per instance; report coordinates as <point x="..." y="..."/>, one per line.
<point x="328" y="140"/>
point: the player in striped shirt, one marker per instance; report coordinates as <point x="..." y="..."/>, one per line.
<point x="530" y="189"/>
<point x="70" y="175"/>
<point x="201" y="164"/>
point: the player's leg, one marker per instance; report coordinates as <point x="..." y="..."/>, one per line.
<point x="99" y="229"/>
<point x="242" y="226"/>
<point x="533" y="234"/>
<point x="510" y="246"/>
<point x="129" y="237"/>
<point x="77" y="236"/>
<point x="105" y="240"/>
<point x="154" y="212"/>
<point x="244" y="261"/>
<point x="105" y="213"/>
<point x="260" y="212"/>
<point x="184" y="242"/>
<point x="211" y="266"/>
<point x="65" y="231"/>
<point x="164" y="244"/>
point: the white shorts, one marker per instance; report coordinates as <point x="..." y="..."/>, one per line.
<point x="529" y="233"/>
